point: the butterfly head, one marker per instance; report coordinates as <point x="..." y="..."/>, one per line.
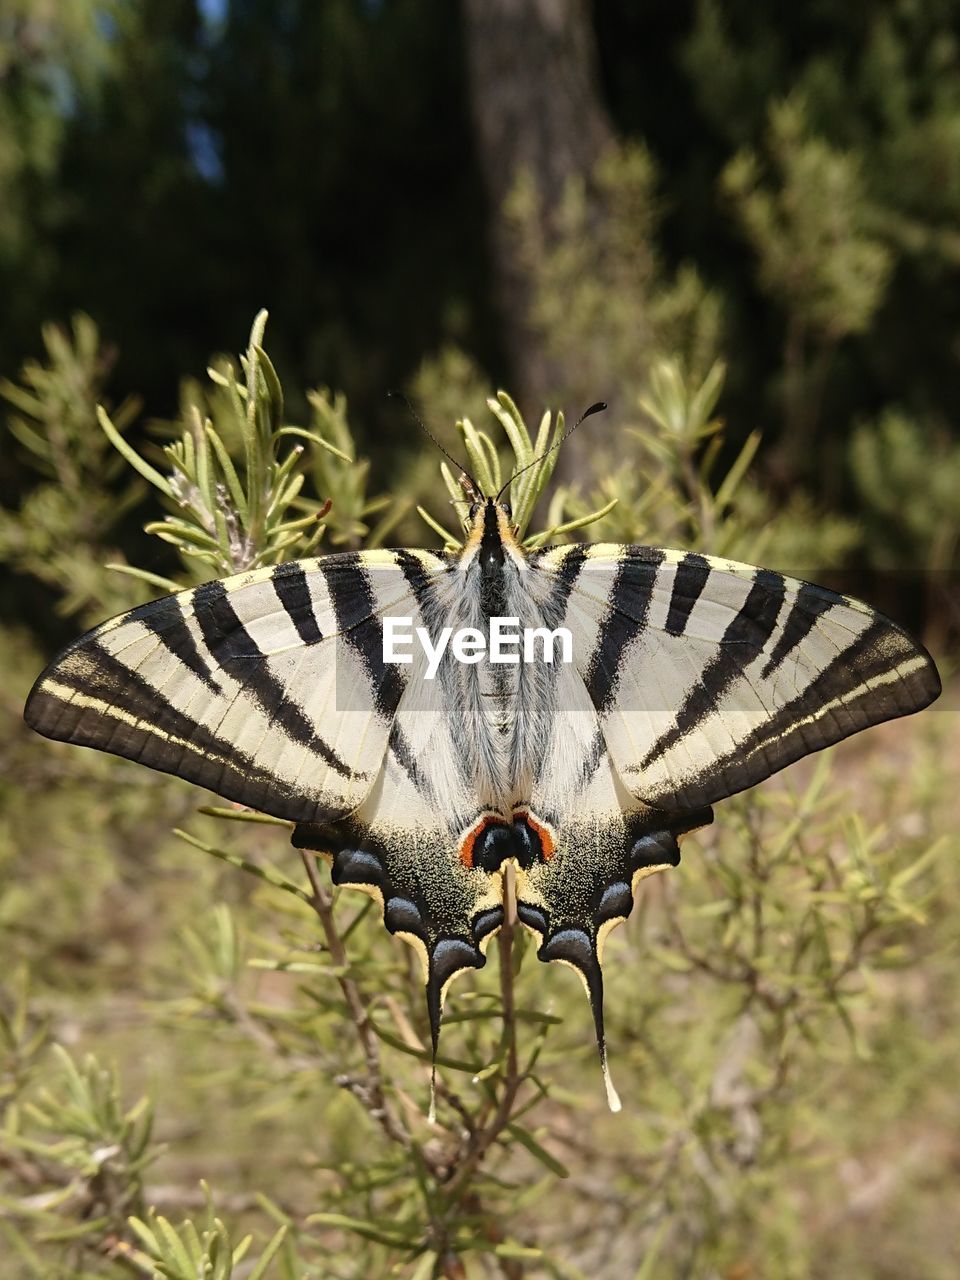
<point x="486" y="516"/>
<point x="482" y="510"/>
<point x="492" y="534"/>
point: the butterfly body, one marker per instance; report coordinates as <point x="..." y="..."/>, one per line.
<point x="691" y="678"/>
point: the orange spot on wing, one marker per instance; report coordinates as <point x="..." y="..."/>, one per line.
<point x="471" y="838"/>
<point x="547" y="845"/>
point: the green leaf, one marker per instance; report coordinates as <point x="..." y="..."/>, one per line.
<point x="512" y="422"/>
<point x="139" y="464"/>
<point x="734" y="476"/>
<point x="317" y="439"/>
<point x="425" y="1268"/>
<point x="422" y="1055"/>
<point x="449" y="539"/>
<point x="230" y="474"/>
<point x="271" y="381"/>
<point x="172" y="1250"/>
<point x="267" y="874"/>
<point x="902" y="878"/>
<point x="653" y="1252"/>
<point x="361" y="1227"/>
<point x="269" y="1253"/>
<point x="167" y="585"/>
<point x="244" y="815"/>
<point x="526" y="1139"/>
<point x="568" y="526"/>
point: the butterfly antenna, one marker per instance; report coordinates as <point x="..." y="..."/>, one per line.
<point x="398" y="395"/>
<point x="587" y="413"/>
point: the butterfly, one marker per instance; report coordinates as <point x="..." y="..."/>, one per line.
<point x="691" y="678"/>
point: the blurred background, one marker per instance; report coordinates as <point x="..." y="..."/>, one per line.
<point x="739" y="225"/>
<point x="440" y="196"/>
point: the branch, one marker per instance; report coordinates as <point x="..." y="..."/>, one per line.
<point x="371" y="1092"/>
<point x="488" y="1131"/>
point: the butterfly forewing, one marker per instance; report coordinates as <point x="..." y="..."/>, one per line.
<point x="267" y="688"/>
<point x="709" y="675"/>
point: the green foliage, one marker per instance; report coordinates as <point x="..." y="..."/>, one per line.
<point x="810" y="227"/>
<point x="92" y="1150"/>
<point x="234" y="515"/>
<point x="454" y="387"/>
<point x="61" y="531"/>
<point x="604" y="304"/>
<point x="908" y="474"/>
<point x="334" y="471"/>
<point x="62" y="41"/>
<point x="232" y="480"/>
<point x="607" y="308"/>
<point x="167" y="151"/>
<point x="780" y="1006"/>
<point x="840" y="170"/>
<point x="169" y="1254"/>
<point x="767" y="954"/>
<point x="525" y="478"/>
<point x="685" y="488"/>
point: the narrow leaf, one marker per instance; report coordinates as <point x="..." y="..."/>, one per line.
<point x="526" y="1139"/>
<point x="139" y="464"/>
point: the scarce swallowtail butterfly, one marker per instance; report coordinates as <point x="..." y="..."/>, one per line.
<point x="691" y="679"/>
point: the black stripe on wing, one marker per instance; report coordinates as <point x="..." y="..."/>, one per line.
<point x="748" y="632"/>
<point x="403" y="754"/>
<point x="567" y="572"/>
<point x="166" y="619"/>
<point x="111" y="695"/>
<point x="808" y="608"/>
<point x="817" y="717"/>
<point x="627" y="609"/>
<point x="425" y="583"/>
<point x="293" y="592"/>
<point x="433" y="589"/>
<point x="688" y="583"/>
<point x="356" y="611"/>
<point x="232" y="646"/>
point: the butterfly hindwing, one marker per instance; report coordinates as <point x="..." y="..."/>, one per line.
<point x="592" y="842"/>
<point x="405" y="842"/>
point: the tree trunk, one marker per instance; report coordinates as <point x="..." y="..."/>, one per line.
<point x="536" y="107"/>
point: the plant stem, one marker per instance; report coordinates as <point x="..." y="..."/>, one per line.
<point x="372" y="1094"/>
<point x="489" y="1130"/>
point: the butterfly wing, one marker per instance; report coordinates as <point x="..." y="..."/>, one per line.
<point x="709" y="675"/>
<point x="692" y="679"/>
<point x="268" y="688"/>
